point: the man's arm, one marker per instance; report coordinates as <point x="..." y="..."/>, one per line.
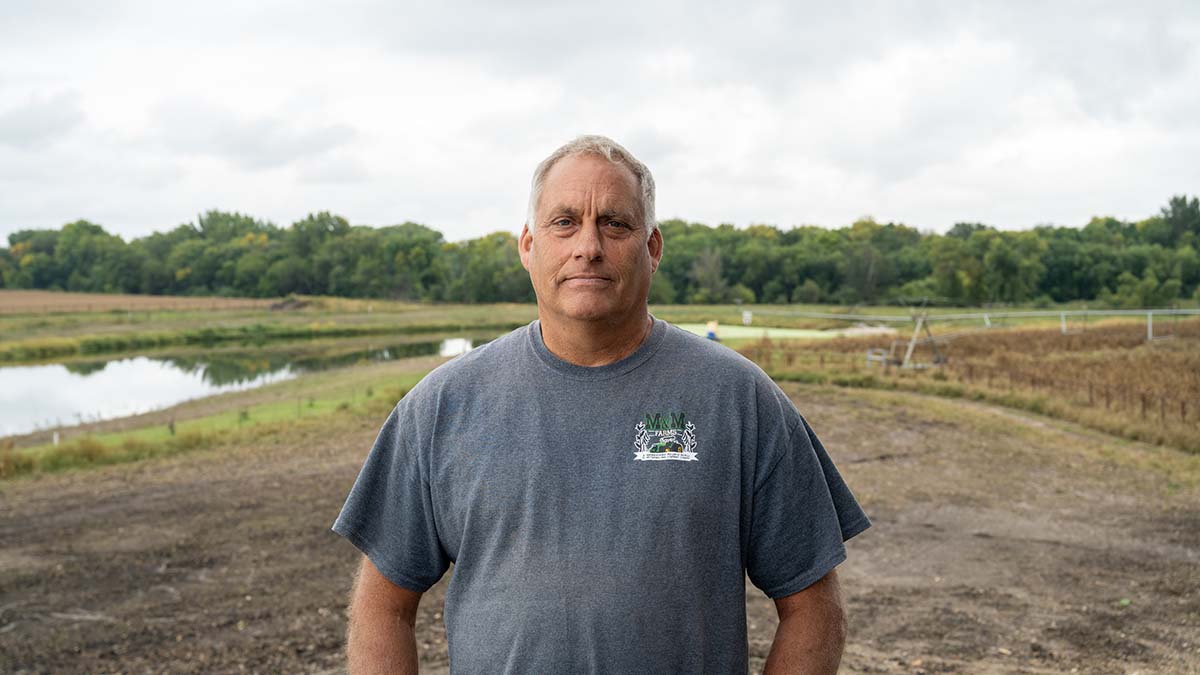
<point x="380" y="639"/>
<point x="812" y="631"/>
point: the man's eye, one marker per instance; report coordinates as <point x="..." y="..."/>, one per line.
<point x="618" y="224"/>
<point x="561" y="222"/>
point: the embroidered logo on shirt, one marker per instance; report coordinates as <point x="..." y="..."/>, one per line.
<point x="665" y="436"/>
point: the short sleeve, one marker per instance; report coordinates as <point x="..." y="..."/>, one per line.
<point x="802" y="514"/>
<point x="389" y="513"/>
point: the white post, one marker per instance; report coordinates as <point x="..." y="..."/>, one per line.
<point x="1063" y="322"/>
<point x="912" y="344"/>
<point x="1149" y="326"/>
<point x="56" y="439"/>
<point x="986" y="321"/>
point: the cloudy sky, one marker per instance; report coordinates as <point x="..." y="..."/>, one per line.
<point x="140" y="115"/>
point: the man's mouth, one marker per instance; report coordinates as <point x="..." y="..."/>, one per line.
<point x="587" y="280"/>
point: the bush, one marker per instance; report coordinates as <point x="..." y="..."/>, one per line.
<point x="808" y="293"/>
<point x="13" y="463"/>
<point x="742" y="293"/>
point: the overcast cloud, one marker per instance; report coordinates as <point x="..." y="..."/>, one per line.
<point x="140" y="115"/>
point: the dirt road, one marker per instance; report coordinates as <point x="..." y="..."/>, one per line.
<point x="1002" y="544"/>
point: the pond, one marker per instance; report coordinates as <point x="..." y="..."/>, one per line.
<point x="47" y="396"/>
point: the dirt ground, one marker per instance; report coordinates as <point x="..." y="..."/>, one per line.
<point x="1002" y="543"/>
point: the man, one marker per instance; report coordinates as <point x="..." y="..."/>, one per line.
<point x="602" y="481"/>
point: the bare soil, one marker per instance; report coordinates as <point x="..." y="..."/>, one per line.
<point x="1001" y="544"/>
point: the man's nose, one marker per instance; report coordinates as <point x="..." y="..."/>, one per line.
<point x="588" y="243"/>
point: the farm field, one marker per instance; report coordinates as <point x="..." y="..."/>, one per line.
<point x="1106" y="376"/>
<point x="1006" y="538"/>
<point x="1001" y="543"/>
<point x="55" y="302"/>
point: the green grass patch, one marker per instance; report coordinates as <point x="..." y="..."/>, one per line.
<point x="90" y="451"/>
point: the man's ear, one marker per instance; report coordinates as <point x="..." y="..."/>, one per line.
<point x="655" y="246"/>
<point x="524" y="243"/>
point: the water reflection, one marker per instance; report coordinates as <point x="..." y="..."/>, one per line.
<point x="39" y="397"/>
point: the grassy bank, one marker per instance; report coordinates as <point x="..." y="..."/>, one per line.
<point x="47" y="348"/>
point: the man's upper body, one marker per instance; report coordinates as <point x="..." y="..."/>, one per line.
<point x="603" y="482"/>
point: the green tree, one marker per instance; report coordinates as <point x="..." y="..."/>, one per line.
<point x="8" y="269"/>
<point x="1154" y="259"/>
<point x="310" y="233"/>
<point x="414" y="251"/>
<point x="487" y="269"/>
<point x="808" y="293"/>
<point x="708" y="282"/>
<point x="1178" y="223"/>
<point x="1012" y="266"/>
<point x="283" y="277"/>
<point x="957" y="275"/>
<point x="1147" y="292"/>
<point x="223" y="226"/>
<point x="661" y="291"/>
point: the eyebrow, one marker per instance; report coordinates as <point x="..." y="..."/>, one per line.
<point x="606" y="214"/>
<point x="617" y="215"/>
<point x="564" y="211"/>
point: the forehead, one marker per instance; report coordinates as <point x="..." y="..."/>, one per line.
<point x="590" y="178"/>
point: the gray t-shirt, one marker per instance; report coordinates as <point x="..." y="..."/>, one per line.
<point x="600" y="520"/>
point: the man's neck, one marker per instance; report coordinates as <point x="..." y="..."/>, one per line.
<point x="593" y="343"/>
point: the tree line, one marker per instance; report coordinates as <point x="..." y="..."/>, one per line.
<point x="1151" y="262"/>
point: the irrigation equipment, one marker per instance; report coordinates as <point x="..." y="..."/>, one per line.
<point x="923" y="335"/>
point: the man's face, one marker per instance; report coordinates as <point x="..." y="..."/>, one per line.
<point x="589" y="255"/>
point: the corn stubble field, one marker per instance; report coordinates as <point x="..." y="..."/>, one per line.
<point x="1036" y="502"/>
<point x="1108" y="376"/>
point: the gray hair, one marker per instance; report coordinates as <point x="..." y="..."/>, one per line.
<point x="601" y="146"/>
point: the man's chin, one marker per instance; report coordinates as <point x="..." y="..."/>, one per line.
<point x="591" y="313"/>
<point x="592" y="316"/>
